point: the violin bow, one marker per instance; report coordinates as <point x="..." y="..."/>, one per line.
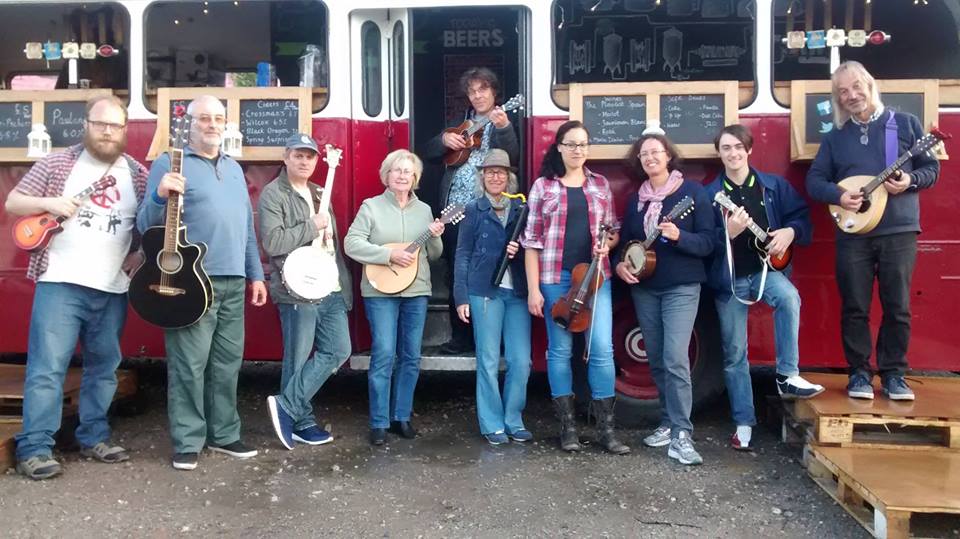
<point x="602" y="229"/>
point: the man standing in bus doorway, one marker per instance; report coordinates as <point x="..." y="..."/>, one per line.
<point x="458" y="185"/>
<point x="288" y="221"/>
<point x="740" y="277"/>
<point x="82" y="279"/>
<point x="203" y="359"/>
<point x="865" y="140"/>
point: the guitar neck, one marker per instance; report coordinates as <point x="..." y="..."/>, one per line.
<point x="172" y="227"/>
<point x="878" y="180"/>
<point x="327" y="191"/>
<point x="478" y="126"/>
<point x="419" y="242"/>
<point x="760" y="233"/>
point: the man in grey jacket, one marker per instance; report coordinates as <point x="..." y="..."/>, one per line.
<point x="289" y="219"/>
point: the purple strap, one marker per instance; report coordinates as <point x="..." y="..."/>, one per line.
<point x="891" y="139"/>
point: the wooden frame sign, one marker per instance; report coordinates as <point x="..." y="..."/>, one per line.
<point x="691" y="113"/>
<point x="265" y="116"/>
<point x="811" y="110"/>
<point x="63" y="112"/>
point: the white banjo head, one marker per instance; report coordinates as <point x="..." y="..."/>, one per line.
<point x="310" y="273"/>
<point x="635" y="257"/>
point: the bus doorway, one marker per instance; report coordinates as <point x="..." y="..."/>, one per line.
<point x="446" y="42"/>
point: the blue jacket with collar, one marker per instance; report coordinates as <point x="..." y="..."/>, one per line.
<point x="785" y="207"/>
<point x="481" y="242"/>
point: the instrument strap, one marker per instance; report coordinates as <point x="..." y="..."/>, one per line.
<point x="890" y="139"/>
<point x="733" y="279"/>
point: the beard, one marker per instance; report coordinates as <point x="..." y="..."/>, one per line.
<point x="105" y="150"/>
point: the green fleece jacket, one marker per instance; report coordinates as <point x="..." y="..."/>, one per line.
<point x="381" y="220"/>
<point x="285" y="225"/>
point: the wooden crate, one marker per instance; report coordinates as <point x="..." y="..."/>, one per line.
<point x="931" y="422"/>
<point x="882" y="489"/>
<point x="7" y="445"/>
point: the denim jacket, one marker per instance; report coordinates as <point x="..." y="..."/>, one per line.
<point x="481" y="243"/>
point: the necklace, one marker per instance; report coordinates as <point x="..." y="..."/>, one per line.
<point x="865" y="126"/>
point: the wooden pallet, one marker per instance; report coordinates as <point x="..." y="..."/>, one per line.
<point x="883" y="489"/>
<point x="931" y="422"/>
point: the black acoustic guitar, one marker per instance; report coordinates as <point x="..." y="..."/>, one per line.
<point x="171" y="289"/>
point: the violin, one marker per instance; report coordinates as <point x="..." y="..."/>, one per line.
<point x="574" y="311"/>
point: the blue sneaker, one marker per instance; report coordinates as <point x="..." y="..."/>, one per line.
<point x="496" y="438"/>
<point x="896" y="389"/>
<point x="859" y="387"/>
<point x="522" y="435"/>
<point x="282" y="422"/>
<point x="312" y="435"/>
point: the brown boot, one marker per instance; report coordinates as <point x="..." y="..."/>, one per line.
<point x="569" y="441"/>
<point x="602" y="412"/>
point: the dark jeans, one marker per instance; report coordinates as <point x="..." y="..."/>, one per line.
<point x="889" y="260"/>
<point x="459" y="332"/>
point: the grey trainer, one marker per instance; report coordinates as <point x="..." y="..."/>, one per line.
<point x="39" y="467"/>
<point x="681" y="448"/>
<point x="659" y="438"/>
<point x="111" y="454"/>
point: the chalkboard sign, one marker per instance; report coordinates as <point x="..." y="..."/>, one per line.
<point x="64" y="121"/>
<point x="615" y="119"/>
<point x="811" y="111"/>
<point x="692" y="119"/>
<point x="14" y="124"/>
<point x="268" y="122"/>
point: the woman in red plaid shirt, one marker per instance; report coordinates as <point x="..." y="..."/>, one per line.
<point x="568" y="203"/>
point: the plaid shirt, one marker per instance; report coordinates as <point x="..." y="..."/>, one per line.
<point x="547" y="220"/>
<point x="47" y="177"/>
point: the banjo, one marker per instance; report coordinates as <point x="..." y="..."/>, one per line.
<point x="640" y="258"/>
<point x="310" y="272"/>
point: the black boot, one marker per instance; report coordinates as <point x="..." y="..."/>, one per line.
<point x="602" y="412"/>
<point x="404" y="429"/>
<point x="569" y="441"/>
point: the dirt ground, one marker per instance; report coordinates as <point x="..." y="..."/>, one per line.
<point x="447" y="483"/>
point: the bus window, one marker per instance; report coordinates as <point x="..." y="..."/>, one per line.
<point x="399" y="70"/>
<point x="100" y="23"/>
<point x="372" y="59"/>
<point x="652" y="40"/>
<point x="924" y="40"/>
<point x="220" y="43"/>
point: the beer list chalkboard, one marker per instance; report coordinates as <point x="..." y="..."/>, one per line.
<point x="268" y="122"/>
<point x="615" y="119"/>
<point x="692" y="119"/>
<point x="819" y="110"/>
<point x="64" y="121"/>
<point x="15" y="124"/>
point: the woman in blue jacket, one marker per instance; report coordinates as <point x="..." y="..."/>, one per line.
<point x="496" y="310"/>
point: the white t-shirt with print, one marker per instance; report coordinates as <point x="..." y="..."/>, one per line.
<point x="95" y="240"/>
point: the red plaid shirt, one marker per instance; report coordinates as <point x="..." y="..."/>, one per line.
<point x="547" y="220"/>
<point x="47" y="177"/>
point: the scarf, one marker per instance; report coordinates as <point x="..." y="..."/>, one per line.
<point x="502" y="205"/>
<point x="655" y="196"/>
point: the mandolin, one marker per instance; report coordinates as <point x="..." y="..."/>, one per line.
<point x="761" y="238"/>
<point x="875" y="200"/>
<point x="171" y="289"/>
<point x="640" y="258"/>
<point x="34" y="232"/>
<point x="392" y="279"/>
<point x="472" y="133"/>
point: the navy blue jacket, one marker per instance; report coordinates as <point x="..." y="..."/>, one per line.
<point x="481" y="242"/>
<point x="841" y="155"/>
<point x="785" y="208"/>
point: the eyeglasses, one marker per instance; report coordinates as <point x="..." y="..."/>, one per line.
<point x="572" y="146"/>
<point x="495" y="172"/>
<point x="651" y="153"/>
<point x="102" y="126"/>
<point x="207" y="119"/>
<point x="402" y="171"/>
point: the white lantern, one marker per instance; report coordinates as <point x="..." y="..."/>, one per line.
<point x="232" y="141"/>
<point x="38" y="142"/>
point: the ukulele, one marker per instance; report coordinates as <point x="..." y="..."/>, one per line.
<point x="875" y="200"/>
<point x="34" y="232"/>
<point x="761" y="238"/>
<point x="472" y="133"/>
<point x="390" y="278"/>
<point x="310" y="272"/>
<point x="640" y="258"/>
<point x="171" y="289"/>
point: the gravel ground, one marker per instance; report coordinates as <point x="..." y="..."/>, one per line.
<point x="446" y="483"/>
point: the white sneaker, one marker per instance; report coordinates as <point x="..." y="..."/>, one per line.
<point x="658" y="438"/>
<point x="681" y="448"/>
<point x="741" y="439"/>
<point x="795" y="387"/>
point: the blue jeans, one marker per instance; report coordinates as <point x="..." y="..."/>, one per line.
<point x="666" y="318"/>
<point x="396" y="325"/>
<point x="778" y="293"/>
<point x="600" y="371"/>
<point x="318" y="327"/>
<point x="504" y="315"/>
<point x="62" y="314"/>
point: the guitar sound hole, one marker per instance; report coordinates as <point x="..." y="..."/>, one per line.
<point x="169" y="261"/>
